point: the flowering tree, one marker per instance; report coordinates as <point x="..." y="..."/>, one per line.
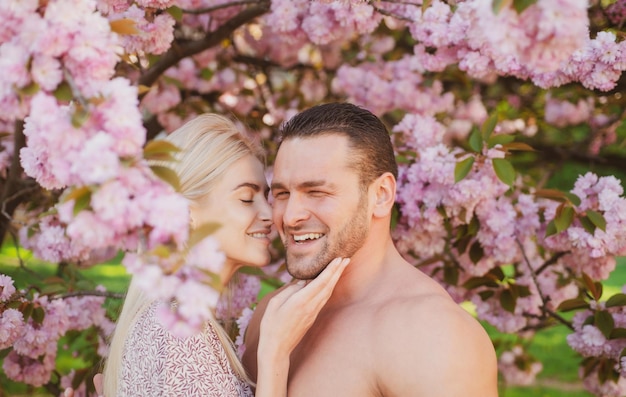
<point x="488" y="102"/>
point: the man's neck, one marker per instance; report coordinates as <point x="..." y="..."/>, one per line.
<point x="366" y="267"/>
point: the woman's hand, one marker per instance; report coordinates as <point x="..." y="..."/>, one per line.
<point x="288" y="316"/>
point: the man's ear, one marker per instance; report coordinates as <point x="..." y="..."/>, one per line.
<point x="384" y="189"/>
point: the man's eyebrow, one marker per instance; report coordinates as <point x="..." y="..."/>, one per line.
<point x="303" y="185"/>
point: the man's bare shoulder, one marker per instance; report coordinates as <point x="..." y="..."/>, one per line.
<point x="429" y="345"/>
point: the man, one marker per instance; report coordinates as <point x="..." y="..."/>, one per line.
<point x="388" y="329"/>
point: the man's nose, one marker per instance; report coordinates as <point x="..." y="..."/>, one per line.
<point x="295" y="211"/>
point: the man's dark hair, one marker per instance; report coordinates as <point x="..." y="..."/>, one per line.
<point x="367" y="135"/>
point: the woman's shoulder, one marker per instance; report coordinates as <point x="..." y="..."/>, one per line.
<point x="156" y="359"/>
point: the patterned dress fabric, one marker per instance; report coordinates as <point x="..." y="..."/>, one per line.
<point x="157" y="363"/>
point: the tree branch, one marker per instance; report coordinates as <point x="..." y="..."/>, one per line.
<point x="106" y="294"/>
<point x="179" y="52"/>
<point x="207" y="10"/>
<point x="555" y="153"/>
<point x="11" y="196"/>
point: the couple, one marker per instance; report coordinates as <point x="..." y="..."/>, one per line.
<point x="378" y="327"/>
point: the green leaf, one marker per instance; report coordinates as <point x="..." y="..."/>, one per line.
<point x="27" y="310"/>
<point x="206" y="74"/>
<point x="500" y="140"/>
<point x="76" y="193"/>
<point x="573" y="304"/>
<point x="508" y="301"/>
<point x="618" y="333"/>
<point x="488" y="126"/>
<point x="587" y="224"/>
<point x="82" y="202"/>
<point x="463" y="168"/>
<point x="550" y="229"/>
<point x="451" y="274"/>
<point x="84" y="285"/>
<point x="523" y="290"/>
<point x="81" y="197"/>
<point x="498" y="273"/>
<point x="167" y="174"/>
<point x="175" y="12"/>
<point x="203" y="231"/>
<point x="252" y="270"/>
<point x="476" y="140"/>
<point x="605" y="323"/>
<point x="52" y="289"/>
<point x="159" y="149"/>
<point x="563" y="218"/>
<point x="597" y="219"/>
<point x="574" y="199"/>
<point x="63" y="92"/>
<point x="616" y="300"/>
<point x="592" y="287"/>
<point x="504" y="170"/>
<point x="79" y="117"/>
<point x="38" y="315"/>
<point x="476" y="252"/>
<point x="621" y="129"/>
<point x="473" y="226"/>
<point x="30" y="90"/>
<point x="462" y="243"/>
<point x="485" y="295"/>
<point x="521" y="5"/>
<point x="497" y="5"/>
<point x="519" y="146"/>
<point x="476" y="282"/>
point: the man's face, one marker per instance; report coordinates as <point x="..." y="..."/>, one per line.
<point x="319" y="210"/>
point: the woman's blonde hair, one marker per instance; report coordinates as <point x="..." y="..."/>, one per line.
<point x="209" y="144"/>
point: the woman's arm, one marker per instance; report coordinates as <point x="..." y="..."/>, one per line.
<point x="288" y="316"/>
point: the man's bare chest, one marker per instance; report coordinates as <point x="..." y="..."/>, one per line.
<point x="335" y="358"/>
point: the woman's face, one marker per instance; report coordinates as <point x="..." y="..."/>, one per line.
<point x="238" y="202"/>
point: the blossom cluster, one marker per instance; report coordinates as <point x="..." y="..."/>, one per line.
<point x="322" y="22"/>
<point x="85" y="134"/>
<point x="487" y="241"/>
<point x="463" y="232"/>
<point x="517" y="367"/>
<point x="594" y="340"/>
<point x="34" y="341"/>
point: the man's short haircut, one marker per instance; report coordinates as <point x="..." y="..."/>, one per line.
<point x="373" y="153"/>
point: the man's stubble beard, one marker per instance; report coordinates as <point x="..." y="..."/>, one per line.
<point x="348" y="241"/>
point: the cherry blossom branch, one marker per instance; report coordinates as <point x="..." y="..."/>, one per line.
<point x="106" y="294"/>
<point x="207" y="10"/>
<point x="551" y="261"/>
<point x="184" y="50"/>
<point x="615" y="160"/>
<point x="544" y="301"/>
<point x="532" y="274"/>
<point x="384" y="12"/>
<point x="552" y="314"/>
<point x="13" y="181"/>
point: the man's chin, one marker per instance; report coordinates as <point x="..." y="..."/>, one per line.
<point x="301" y="271"/>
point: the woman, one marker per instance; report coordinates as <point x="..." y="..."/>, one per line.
<point x="221" y="174"/>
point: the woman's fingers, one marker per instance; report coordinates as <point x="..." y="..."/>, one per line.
<point x="290" y="313"/>
<point x="316" y="290"/>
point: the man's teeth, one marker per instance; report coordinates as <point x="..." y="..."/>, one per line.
<point x="257" y="235"/>
<point x="309" y="236"/>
